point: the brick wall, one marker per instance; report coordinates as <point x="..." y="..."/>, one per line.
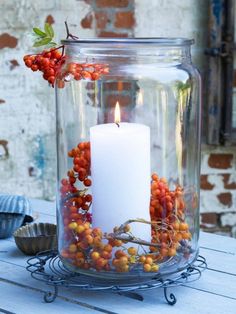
<point x="27" y="112"/>
<point x="110" y="18"/>
<point x="218" y="190"/>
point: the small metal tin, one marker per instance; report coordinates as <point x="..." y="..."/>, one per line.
<point x="37" y="237"/>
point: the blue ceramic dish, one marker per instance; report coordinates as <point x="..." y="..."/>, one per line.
<point x="9" y="222"/>
<point x="15" y="210"/>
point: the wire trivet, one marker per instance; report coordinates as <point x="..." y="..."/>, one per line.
<point x="47" y="267"/>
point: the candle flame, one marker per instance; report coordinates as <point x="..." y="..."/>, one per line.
<point x="140" y="99"/>
<point x="117" y="113"/>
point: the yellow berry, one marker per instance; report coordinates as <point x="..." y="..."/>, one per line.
<point x="72" y="248"/>
<point x="155" y="268"/>
<point x="95" y="255"/>
<point x="73" y="225"/>
<point x="132" y="251"/>
<point x="80" y="229"/>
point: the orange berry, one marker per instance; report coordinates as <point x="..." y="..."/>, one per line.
<point x="101" y="262"/>
<point x="123" y="260"/>
<point x="60" y="84"/>
<point x="108" y="248"/>
<point x="95" y="76"/>
<point x="171" y="252"/>
<point x="124" y="268"/>
<point x="119" y="253"/>
<point x="115" y="262"/>
<point x="97" y="232"/>
<point x="155" y="177"/>
<point x="97" y="242"/>
<point x="117" y="243"/>
<point x="178" y="237"/>
<point x="79" y="255"/>
<point x="106" y="255"/>
<point x="86" y="75"/>
<point x="142" y="259"/>
<point x="164" y="252"/>
<point x="186" y="235"/>
<point x="89" y="239"/>
<point x="183" y="226"/>
<point x="147" y="267"/>
<point x="149" y="260"/>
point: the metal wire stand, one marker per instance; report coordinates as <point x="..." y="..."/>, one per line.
<point x="47" y="267"/>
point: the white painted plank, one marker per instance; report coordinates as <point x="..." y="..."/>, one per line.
<point x="217" y="242"/>
<point x="189" y="301"/>
<point x="210" y="282"/>
<point x="223" y="262"/>
<point x="26" y="301"/>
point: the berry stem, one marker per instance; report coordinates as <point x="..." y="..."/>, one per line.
<point x="68" y="34"/>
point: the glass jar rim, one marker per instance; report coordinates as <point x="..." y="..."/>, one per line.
<point x="162" y="41"/>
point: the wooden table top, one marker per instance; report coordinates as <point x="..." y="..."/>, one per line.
<point x="214" y="292"/>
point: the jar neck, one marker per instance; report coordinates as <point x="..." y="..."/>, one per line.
<point x="146" y="53"/>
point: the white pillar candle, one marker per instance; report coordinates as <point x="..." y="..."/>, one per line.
<point x="120" y="168"/>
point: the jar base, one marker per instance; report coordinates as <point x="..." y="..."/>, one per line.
<point x="171" y="266"/>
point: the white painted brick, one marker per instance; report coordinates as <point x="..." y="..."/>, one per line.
<point x="210" y="203"/>
<point x="228" y="219"/>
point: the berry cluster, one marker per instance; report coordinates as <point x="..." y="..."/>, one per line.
<point x="48" y="62"/>
<point x="76" y="203"/>
<point x="51" y="61"/>
<point x="168" y="208"/>
<point x="89" y="248"/>
<point x="86" y="71"/>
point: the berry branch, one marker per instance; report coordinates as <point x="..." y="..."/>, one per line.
<point x="51" y="60"/>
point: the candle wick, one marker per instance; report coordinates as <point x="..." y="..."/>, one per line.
<point x="117" y="124"/>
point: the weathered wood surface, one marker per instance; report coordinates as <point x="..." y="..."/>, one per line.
<point x="214" y="293"/>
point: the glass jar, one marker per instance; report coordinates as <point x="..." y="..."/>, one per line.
<point x="128" y="131"/>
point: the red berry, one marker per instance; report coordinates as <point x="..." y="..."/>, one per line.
<point x="28" y="63"/>
<point x="34" y="67"/>
<point x="51" y="79"/>
<point x="87" y="182"/>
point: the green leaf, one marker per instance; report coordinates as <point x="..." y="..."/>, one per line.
<point x="52" y="44"/>
<point x="38" y="32"/>
<point x="49" y="30"/>
<point x="42" y="42"/>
